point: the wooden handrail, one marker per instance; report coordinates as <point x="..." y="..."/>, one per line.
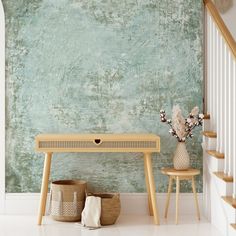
<point x="221" y="25"/>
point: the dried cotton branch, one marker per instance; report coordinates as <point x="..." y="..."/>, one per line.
<point x="179" y="127"/>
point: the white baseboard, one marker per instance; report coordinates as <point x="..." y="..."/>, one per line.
<point x="131" y="203"/>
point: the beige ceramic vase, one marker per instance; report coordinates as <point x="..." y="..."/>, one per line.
<point x="181" y="158"/>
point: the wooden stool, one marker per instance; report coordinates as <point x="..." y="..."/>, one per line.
<point x="180" y="175"/>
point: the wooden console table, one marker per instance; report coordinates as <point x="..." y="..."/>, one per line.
<point x="145" y="143"/>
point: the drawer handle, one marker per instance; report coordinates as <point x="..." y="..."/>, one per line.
<point x="97" y="141"/>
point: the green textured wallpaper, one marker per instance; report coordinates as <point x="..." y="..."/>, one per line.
<point x="98" y="66"/>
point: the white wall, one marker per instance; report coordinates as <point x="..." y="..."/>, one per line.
<point x="2" y="108"/>
<point x="230" y="19"/>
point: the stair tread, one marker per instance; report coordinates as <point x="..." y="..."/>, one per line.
<point x="206" y="116"/>
<point x="233" y="225"/>
<point x="223" y="176"/>
<point x="230" y="200"/>
<point x="216" y="154"/>
<point x="209" y="134"/>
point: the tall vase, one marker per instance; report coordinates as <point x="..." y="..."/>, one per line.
<point x="181" y="158"/>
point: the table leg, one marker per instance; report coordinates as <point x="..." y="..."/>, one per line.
<point x="148" y="188"/>
<point x="195" y="198"/>
<point x="44" y="187"/>
<point x="148" y="160"/>
<point x="168" y="196"/>
<point x="177" y="200"/>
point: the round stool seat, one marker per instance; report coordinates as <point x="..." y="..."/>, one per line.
<point x="182" y="173"/>
<point x="179" y="175"/>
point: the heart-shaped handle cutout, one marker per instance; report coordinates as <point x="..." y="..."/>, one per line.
<point x="97" y="141"/>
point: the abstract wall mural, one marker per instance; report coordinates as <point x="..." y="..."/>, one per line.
<point x="91" y="66"/>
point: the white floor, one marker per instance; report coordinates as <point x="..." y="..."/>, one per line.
<point x="138" y="225"/>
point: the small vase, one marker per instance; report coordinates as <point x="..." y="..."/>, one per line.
<point x="181" y="158"/>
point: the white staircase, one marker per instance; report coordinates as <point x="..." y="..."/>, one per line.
<point x="219" y="142"/>
<point x="218" y="189"/>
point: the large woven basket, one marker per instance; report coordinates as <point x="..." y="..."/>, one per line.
<point x="110" y="204"/>
<point x="67" y="199"/>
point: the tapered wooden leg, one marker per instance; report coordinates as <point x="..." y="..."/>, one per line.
<point x="148" y="160"/>
<point x="168" y="196"/>
<point x="195" y="198"/>
<point x="44" y="187"/>
<point x="148" y="188"/>
<point x="177" y="200"/>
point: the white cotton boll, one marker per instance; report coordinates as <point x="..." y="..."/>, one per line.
<point x="201" y="116"/>
<point x="189" y="120"/>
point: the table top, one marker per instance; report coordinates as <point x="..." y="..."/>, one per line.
<point x="119" y="136"/>
<point x="173" y="172"/>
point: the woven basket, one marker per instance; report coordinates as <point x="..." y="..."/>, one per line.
<point x="110" y="207"/>
<point x="67" y="199"/>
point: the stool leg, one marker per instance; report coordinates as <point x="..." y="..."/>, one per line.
<point x="177" y="200"/>
<point x="44" y="187"/>
<point x="148" y="189"/>
<point x="168" y="196"/>
<point x="195" y="197"/>
<point x="148" y="160"/>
